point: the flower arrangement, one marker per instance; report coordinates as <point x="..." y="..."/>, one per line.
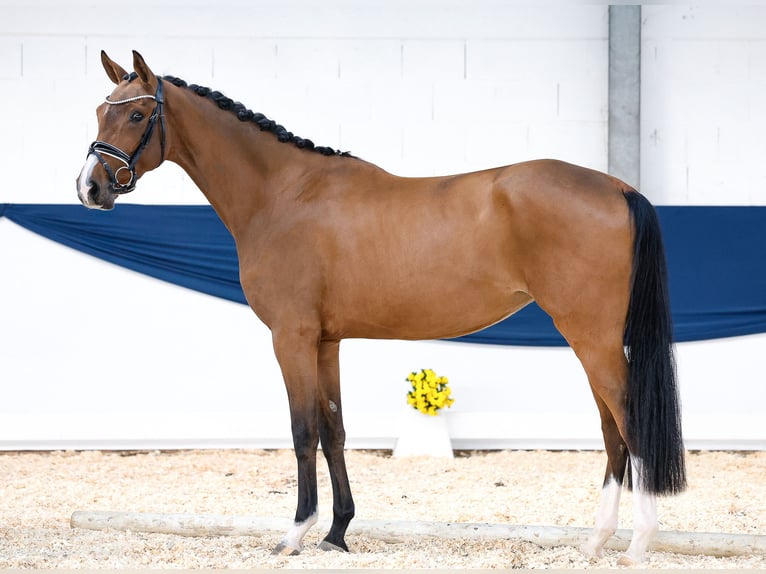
<point x="429" y="392"/>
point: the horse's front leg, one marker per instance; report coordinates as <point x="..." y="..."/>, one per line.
<point x="333" y="438"/>
<point x="297" y="355"/>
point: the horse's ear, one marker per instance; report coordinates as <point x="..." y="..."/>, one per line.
<point x="143" y="71"/>
<point x="115" y="72"/>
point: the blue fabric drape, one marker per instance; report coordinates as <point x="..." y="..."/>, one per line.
<point x="715" y="258"/>
<point x="185" y="245"/>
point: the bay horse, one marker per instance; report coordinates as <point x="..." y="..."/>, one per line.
<point x="328" y="245"/>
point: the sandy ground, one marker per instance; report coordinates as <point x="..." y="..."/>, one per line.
<point x="39" y="492"/>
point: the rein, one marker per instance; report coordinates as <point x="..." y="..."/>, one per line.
<point x="100" y="148"/>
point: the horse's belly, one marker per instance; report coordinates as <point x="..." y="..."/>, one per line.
<point x="433" y="317"/>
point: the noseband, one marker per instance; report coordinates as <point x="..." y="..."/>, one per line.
<point x="100" y="149"/>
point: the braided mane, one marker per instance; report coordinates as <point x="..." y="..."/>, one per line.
<point x="246" y="115"/>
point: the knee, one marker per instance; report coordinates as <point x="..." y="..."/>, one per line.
<point x="332" y="432"/>
<point x="333" y="439"/>
<point x="305" y="439"/>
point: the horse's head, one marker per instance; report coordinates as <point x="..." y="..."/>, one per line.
<point x="126" y="146"/>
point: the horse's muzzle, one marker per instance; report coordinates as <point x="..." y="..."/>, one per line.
<point x="91" y="194"/>
<point x="96" y="198"/>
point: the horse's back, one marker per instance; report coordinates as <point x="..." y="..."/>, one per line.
<point x="440" y="257"/>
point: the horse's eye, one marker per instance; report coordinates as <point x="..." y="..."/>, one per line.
<point x="136" y="117"/>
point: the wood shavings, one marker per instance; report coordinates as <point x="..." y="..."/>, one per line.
<point x="40" y="491"/>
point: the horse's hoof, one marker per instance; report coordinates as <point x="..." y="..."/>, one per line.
<point x="589" y="551"/>
<point x="627" y="560"/>
<point x="283" y="549"/>
<point x="329" y="546"/>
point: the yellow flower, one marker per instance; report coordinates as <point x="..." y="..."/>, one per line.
<point x="429" y="392"/>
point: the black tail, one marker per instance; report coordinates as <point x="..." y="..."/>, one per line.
<point x="653" y="410"/>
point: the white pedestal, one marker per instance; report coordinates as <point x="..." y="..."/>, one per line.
<point x="423" y="435"/>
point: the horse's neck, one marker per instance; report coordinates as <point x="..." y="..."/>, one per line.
<point x="232" y="162"/>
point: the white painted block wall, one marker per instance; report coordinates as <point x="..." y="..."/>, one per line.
<point x="703" y="117"/>
<point x="418" y="87"/>
<point x="421" y="88"/>
<point x="96" y="356"/>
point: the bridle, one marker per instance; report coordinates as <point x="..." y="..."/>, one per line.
<point x="99" y="148"/>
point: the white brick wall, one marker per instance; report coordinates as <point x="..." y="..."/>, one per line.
<point x="10" y="58"/>
<point x="421" y="88"/>
<point x="703" y="117"/>
<point x="166" y="367"/>
<point x="417" y="86"/>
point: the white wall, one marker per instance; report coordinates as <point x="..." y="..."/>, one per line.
<point x="94" y="355"/>
<point x="419" y="87"/>
<point x="703" y="117"/>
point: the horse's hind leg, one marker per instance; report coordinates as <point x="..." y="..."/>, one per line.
<point x="645" y="524"/>
<point x="606" y="367"/>
<point x="617" y="456"/>
<point x="333" y="438"/>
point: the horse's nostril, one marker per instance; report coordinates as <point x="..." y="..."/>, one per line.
<point x="93" y="190"/>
